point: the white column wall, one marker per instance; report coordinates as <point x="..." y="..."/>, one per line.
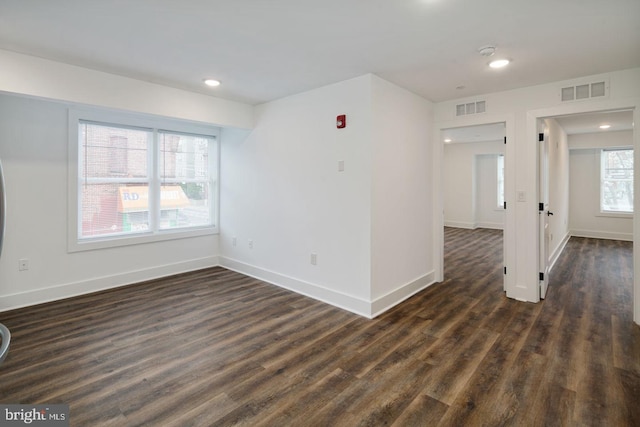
<point x="402" y="215"/>
<point x="282" y="190"/>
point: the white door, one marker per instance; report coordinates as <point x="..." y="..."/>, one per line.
<point x="543" y="208"/>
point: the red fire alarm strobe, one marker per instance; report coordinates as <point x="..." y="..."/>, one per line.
<point x="341" y="121"/>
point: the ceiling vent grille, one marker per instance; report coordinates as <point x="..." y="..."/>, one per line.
<point x="583" y="91"/>
<point x="471" y="108"/>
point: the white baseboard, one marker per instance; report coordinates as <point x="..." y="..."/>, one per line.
<point x="329" y="296"/>
<point x="491" y="225"/>
<point x="556" y="254"/>
<point x="474" y="225"/>
<point x="384" y="303"/>
<point x="458" y="224"/>
<point x="610" y="235"/>
<point x="337" y="299"/>
<point x="347" y="302"/>
<point x="68" y="290"/>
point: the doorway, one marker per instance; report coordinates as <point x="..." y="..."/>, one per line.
<point x="589" y="159"/>
<point x="473" y="178"/>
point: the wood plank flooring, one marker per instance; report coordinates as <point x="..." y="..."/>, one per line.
<point x="216" y="348"/>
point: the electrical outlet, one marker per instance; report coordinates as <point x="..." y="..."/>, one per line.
<point x="234" y="241"/>
<point x="314" y="259"/>
<point x="250" y="244"/>
<point x="23" y="264"/>
<point x="340" y="165"/>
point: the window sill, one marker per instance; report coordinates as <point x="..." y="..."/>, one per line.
<point x="120" y="241"/>
<point x="624" y="215"/>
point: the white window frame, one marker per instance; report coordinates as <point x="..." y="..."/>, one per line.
<point x="115" y="118"/>
<point x="608" y="213"/>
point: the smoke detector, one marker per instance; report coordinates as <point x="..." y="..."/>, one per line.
<point x="487" y="50"/>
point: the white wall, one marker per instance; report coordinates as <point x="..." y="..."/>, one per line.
<point x="369" y="225"/>
<point x="282" y="190"/>
<point x="33" y="151"/>
<point x="402" y="193"/>
<point x="558" y="188"/>
<point x="521" y="109"/>
<point x="470" y="185"/>
<point x="39" y="77"/>
<point x="585" y="218"/>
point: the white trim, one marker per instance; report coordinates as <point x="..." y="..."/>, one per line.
<point x="558" y="251"/>
<point x="474" y="225"/>
<point x="610" y="214"/>
<point x="68" y="290"/>
<point x="346" y="302"/>
<point x="636" y="218"/>
<point x="337" y="299"/>
<point x="328" y="296"/>
<point x="490" y="225"/>
<point x="459" y="224"/>
<point x="404" y="292"/>
<point x="610" y="235"/>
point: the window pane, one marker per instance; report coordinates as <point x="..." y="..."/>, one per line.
<point x="114" y="209"/>
<point x="185" y="205"/>
<point x="617" y="181"/>
<point x="138" y="180"/>
<point x="113" y="152"/>
<point x="109" y="156"/>
<point x="184" y="156"/>
<point x="184" y="172"/>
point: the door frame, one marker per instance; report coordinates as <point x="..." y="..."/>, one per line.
<point x="543" y="208"/>
<point x="509" y="190"/>
<point x="594" y="107"/>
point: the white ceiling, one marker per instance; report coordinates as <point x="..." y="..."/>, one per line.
<point x="267" y="49"/>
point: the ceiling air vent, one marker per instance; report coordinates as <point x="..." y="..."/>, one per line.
<point x="583" y="91"/>
<point x="471" y="108"/>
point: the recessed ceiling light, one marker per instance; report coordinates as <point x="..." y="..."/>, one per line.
<point x="447" y="140"/>
<point x="211" y="82"/>
<point x="605" y="126"/>
<point x="499" y="63"/>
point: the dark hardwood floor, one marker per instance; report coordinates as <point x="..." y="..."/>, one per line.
<point x="216" y="348"/>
